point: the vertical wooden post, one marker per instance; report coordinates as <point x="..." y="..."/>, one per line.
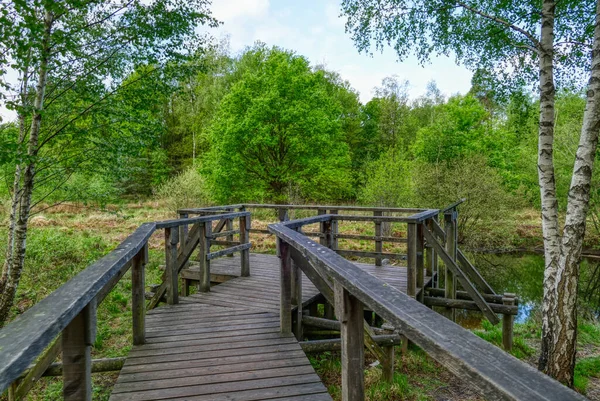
<point x="450" y="279"/>
<point x="283" y="216"/>
<point x="387" y="365"/>
<point x="285" y="305"/>
<point x="349" y="311"/>
<point x="244" y="239"/>
<point x="323" y="239"/>
<point x="420" y="262"/>
<point x="171" y="273"/>
<point x="411" y="273"/>
<point x="297" y="300"/>
<point x="138" y="303"/>
<point x="77" y="340"/>
<point x="183" y="231"/>
<point x="183" y="237"/>
<point x="203" y="250"/>
<point x="429" y="252"/>
<point x="507" y="323"/>
<point x="434" y="267"/>
<point x="328" y="311"/>
<point x="334" y="231"/>
<point x="12" y="389"/>
<point x="229" y="227"/>
<point x="378" y="243"/>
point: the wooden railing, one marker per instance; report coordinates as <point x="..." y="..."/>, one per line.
<point x="65" y="321"/>
<point x="497" y="374"/>
<point x="378" y="216"/>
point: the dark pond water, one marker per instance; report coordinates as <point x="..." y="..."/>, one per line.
<point x="523" y="274"/>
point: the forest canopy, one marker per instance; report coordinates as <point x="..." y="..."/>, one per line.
<point x="269" y="126"/>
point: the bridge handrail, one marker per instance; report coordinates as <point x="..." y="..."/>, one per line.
<point x="496" y="373"/>
<point x="26" y="338"/>
<point x="303" y="207"/>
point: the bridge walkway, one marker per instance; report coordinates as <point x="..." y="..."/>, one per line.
<point x="226" y="344"/>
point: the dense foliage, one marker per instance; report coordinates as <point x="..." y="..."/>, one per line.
<point x="268" y="126"/>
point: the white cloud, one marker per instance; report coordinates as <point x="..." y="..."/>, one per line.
<point x="229" y="10"/>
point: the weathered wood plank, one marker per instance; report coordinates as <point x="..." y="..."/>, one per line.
<point x="378" y="243"/>
<point x="458" y="274"/>
<point x="473" y="274"/>
<point x="245" y="239"/>
<point x="286" y="289"/>
<point x="469" y="305"/>
<point x="499" y="375"/>
<point x="77" y="340"/>
<point x="203" y="251"/>
<point x="367" y="254"/>
<point x="451" y="231"/>
<point x="228" y="251"/>
<point x="25" y="338"/>
<point x="349" y="311"/>
<point x="371" y="238"/>
<point x="138" y="302"/>
<point x="199" y="219"/>
<point x="411" y="274"/>
<point x="171" y="268"/>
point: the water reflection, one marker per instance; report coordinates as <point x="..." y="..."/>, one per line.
<point x="523" y="274"/>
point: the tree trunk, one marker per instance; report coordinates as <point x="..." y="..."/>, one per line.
<point x="22" y="204"/>
<point x="16" y="193"/>
<point x="561" y="363"/>
<point x="546" y="176"/>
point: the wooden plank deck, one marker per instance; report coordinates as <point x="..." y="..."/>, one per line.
<point x="225" y="344"/>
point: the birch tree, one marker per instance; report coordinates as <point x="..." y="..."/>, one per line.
<point x="70" y="57"/>
<point x="550" y="43"/>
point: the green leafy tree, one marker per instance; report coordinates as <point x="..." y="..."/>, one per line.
<point x="193" y="107"/>
<point x="389" y="181"/>
<point x="457" y="130"/>
<point x="520" y="42"/>
<point x="278" y="130"/>
<point x="71" y="59"/>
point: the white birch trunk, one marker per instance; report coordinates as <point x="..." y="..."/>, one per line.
<point x="547" y="184"/>
<point x="561" y="363"/>
<point x="16" y="247"/>
<point x="16" y="194"/>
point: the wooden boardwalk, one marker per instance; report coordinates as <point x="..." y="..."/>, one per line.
<point x="225" y="344"/>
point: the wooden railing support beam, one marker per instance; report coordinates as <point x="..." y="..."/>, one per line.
<point x="411" y="271"/>
<point x="508" y="323"/>
<point x="77" y="340"/>
<point x="285" y="305"/>
<point x="244" y="239"/>
<point x="138" y="302"/>
<point x="450" y="278"/>
<point x="349" y="311"/>
<point x="171" y="271"/>
<point x="420" y="265"/>
<point x="203" y="251"/>
<point x="229" y="227"/>
<point x="378" y="234"/>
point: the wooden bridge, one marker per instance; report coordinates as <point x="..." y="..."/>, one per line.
<point x="238" y="327"/>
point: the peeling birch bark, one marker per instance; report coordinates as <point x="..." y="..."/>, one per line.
<point x="16" y="247"/>
<point x="561" y="363"/>
<point x="546" y="175"/>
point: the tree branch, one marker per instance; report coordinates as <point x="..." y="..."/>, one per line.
<point x="507" y="24"/>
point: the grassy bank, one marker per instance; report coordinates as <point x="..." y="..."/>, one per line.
<point x="65" y="240"/>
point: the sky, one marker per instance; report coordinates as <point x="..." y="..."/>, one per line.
<point x="314" y="29"/>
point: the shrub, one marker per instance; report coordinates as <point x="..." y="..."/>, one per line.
<point x="437" y="185"/>
<point x="388" y="181"/>
<point x="185" y="190"/>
